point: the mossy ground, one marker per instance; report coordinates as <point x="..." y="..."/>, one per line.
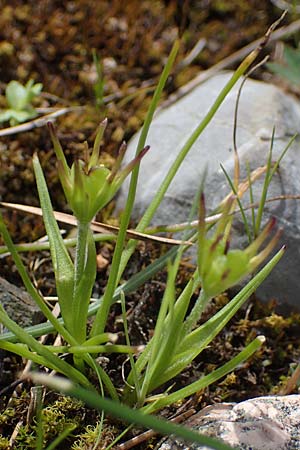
<point x="52" y="42"/>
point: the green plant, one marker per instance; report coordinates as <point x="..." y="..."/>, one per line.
<point x="52" y="423"/>
<point x="19" y="100"/>
<point x="4" y="443"/>
<point x="92" y="435"/>
<point x="177" y="340"/>
<point x="88" y="187"/>
<point x="125" y="413"/>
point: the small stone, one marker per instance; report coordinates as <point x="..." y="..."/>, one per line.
<point x="265" y="423"/>
<point x="19" y="305"/>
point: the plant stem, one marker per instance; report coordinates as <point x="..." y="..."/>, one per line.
<point x="115" y="273"/>
<point x="81" y="252"/>
<point x="57" y="325"/>
<point x="125" y="413"/>
<point x="80" y="301"/>
<point x="196" y="312"/>
<point x="144" y="222"/>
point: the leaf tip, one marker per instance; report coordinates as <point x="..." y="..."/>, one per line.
<point x="261" y="338"/>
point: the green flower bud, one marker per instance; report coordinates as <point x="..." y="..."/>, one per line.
<point x="89" y="185"/>
<point x="221" y="268"/>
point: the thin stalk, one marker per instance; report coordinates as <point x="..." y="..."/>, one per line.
<point x="57" y="325"/>
<point x="242" y="210"/>
<point x="251" y="198"/>
<point x="269" y="175"/>
<point x="58" y="363"/>
<point x="196" y="313"/>
<point x="81" y="265"/>
<point x="129" y="286"/>
<point x="265" y="189"/>
<point x="127" y="338"/>
<point x="39" y="420"/>
<point x="125" y="413"/>
<point x="207" y="380"/>
<point x="144" y="222"/>
<point x="40" y="246"/>
<point x="80" y="255"/>
<point x="114" y="276"/>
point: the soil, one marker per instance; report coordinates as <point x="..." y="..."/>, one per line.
<point x="53" y="42"/>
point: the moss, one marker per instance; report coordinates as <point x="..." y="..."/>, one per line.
<point x="4" y="443"/>
<point x="94" y="434"/>
<point x="25" y="440"/>
<point x="56" y="416"/>
<point x="7" y="415"/>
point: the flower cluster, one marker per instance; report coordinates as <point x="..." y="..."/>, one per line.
<point x="89" y="185"/>
<point x="220" y="267"/>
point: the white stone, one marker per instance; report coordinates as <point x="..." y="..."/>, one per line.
<point x="262" y="107"/>
<point x="265" y="423"/>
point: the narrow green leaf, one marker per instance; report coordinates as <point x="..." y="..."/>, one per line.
<point x="61" y="260"/>
<point x="208" y="379"/>
<point x="170" y="341"/>
<point x="55" y="324"/>
<point x="129" y="286"/>
<point x="83" y="288"/>
<point x="194" y="343"/>
<point x="120" y="259"/>
<point x="161" y="349"/>
<point x="127" y="414"/>
<point x="61" y="437"/>
<point x="52" y="360"/>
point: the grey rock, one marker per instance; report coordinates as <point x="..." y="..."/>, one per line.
<point x="262" y="106"/>
<point x="19" y="305"/>
<point x="265" y="423"/>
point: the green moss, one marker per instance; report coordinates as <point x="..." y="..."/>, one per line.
<point x="25" y="439"/>
<point x="4" y="443"/>
<point x="56" y="417"/>
<point x="7" y="415"/>
<point x="92" y="435"/>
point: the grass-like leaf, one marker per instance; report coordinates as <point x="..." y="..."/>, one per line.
<point x="127" y="414"/>
<point x="61" y="260"/>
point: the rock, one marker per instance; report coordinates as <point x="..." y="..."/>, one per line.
<point x="262" y="106"/>
<point x="265" y="423"/>
<point x="19" y="305"/>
